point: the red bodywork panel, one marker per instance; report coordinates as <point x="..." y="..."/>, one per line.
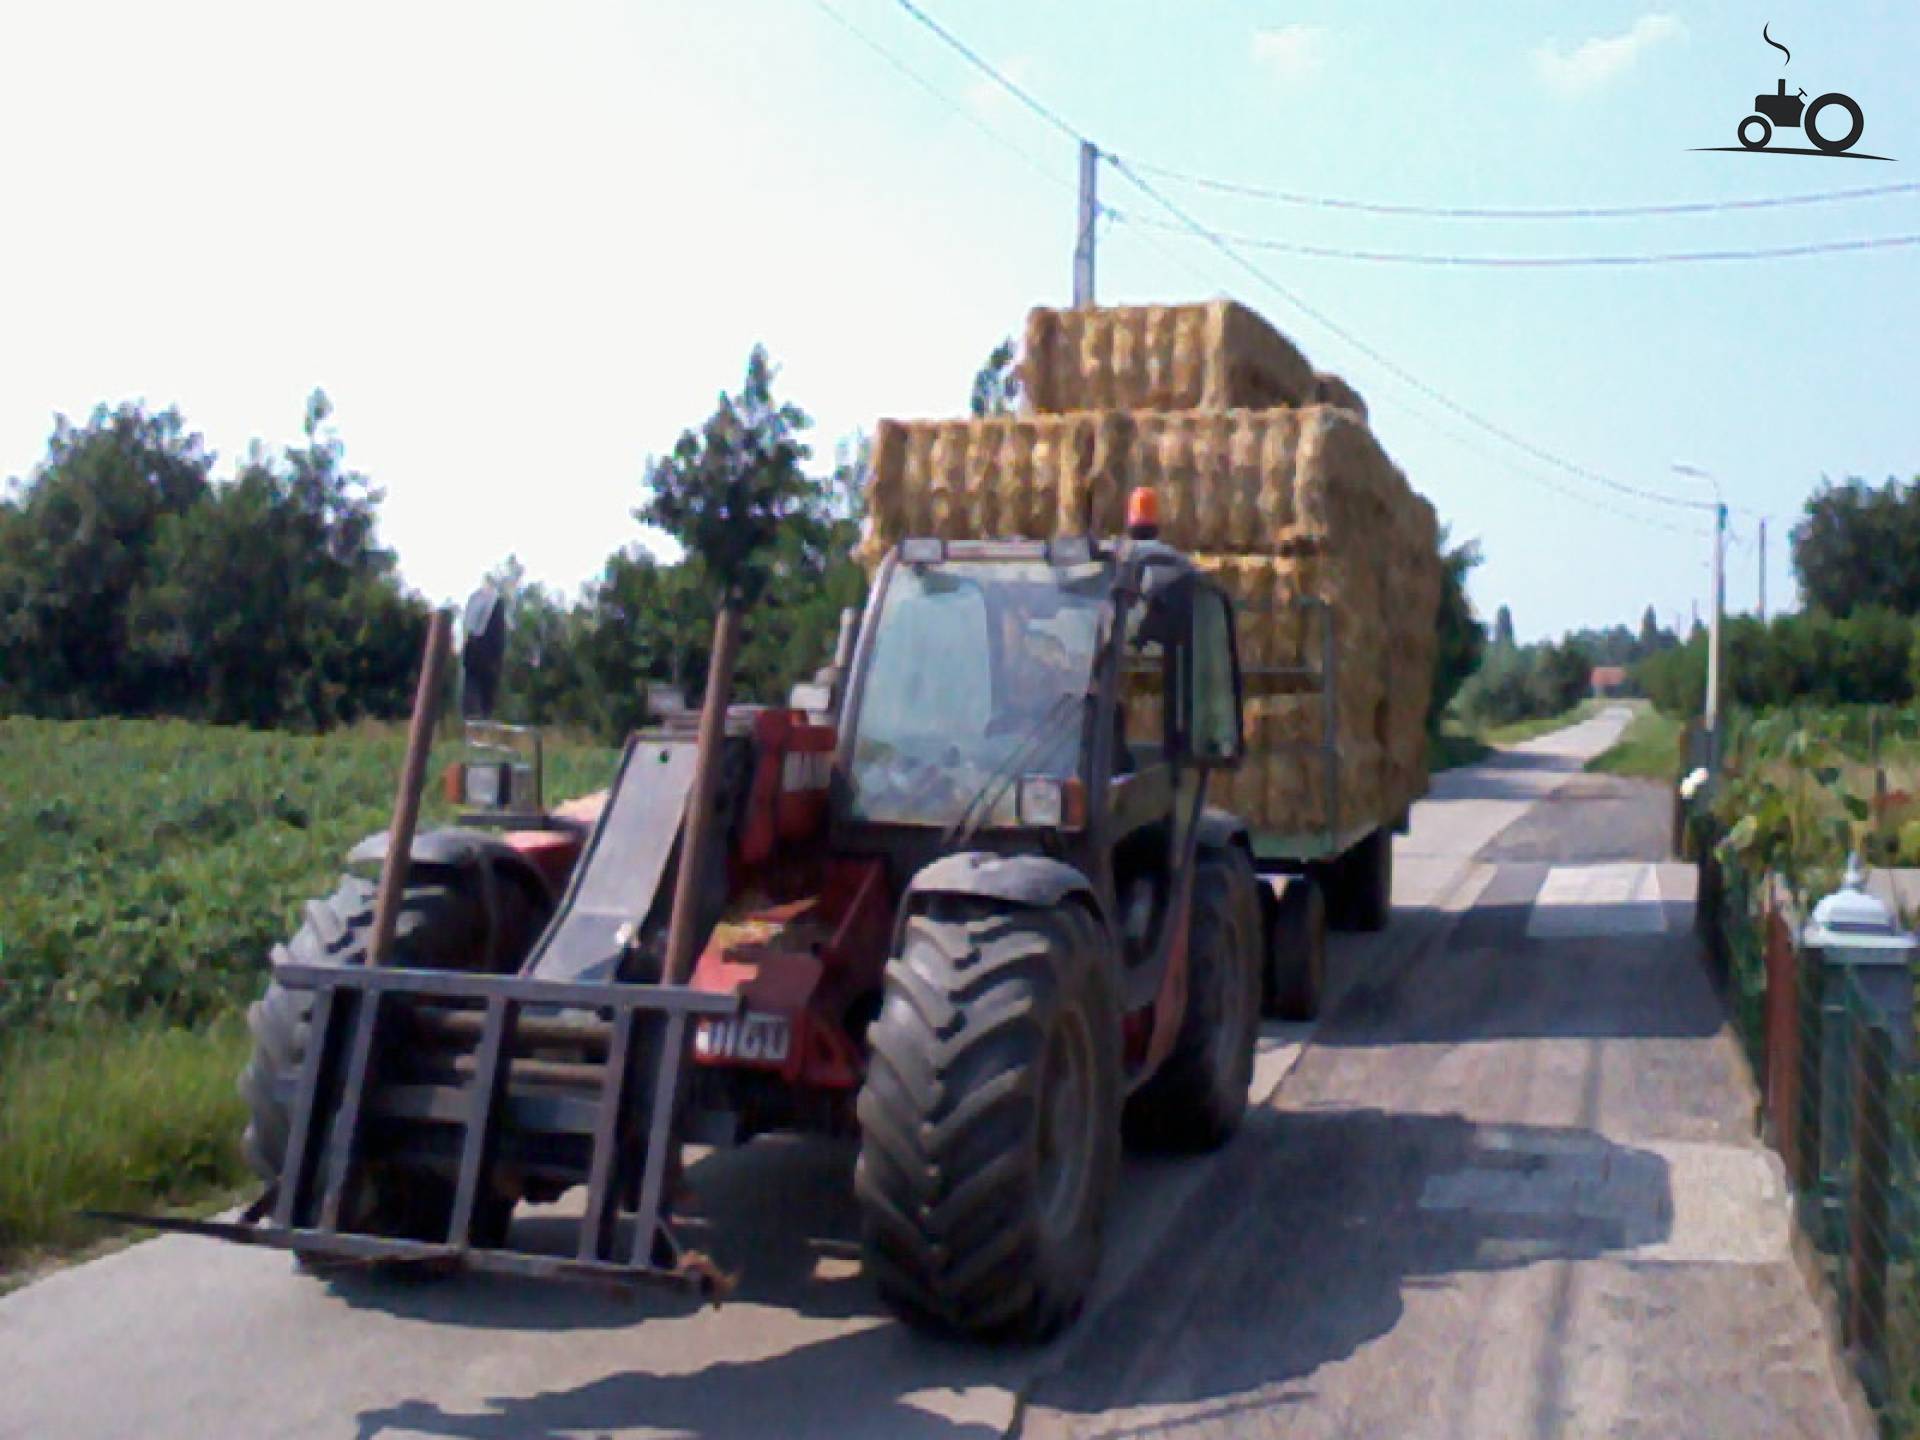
<point x="800" y="966"/>
<point x="806" y="935"/>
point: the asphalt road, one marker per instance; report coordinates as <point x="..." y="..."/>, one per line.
<point x="1507" y="1187"/>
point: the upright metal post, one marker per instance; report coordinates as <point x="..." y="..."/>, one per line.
<point x="1089" y="215"/>
<point x="1713" y="634"/>
<point x="406" y="801"/>
<point x="706" y="782"/>
<point x="1763" y="571"/>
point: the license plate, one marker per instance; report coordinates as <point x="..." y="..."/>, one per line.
<point x="754" y="1039"/>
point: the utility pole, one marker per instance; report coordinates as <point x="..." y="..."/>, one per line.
<point x="1763" y="570"/>
<point x="1713" y="633"/>
<point x="1089" y="216"/>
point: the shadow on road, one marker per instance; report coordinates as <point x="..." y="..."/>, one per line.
<point x="1313" y="1227"/>
<point x="1308" y="1247"/>
<point x="777" y="1215"/>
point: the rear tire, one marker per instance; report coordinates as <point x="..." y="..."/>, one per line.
<point x="989" y="1119"/>
<point x="1197" y="1097"/>
<point x="441" y="926"/>
<point x="1297" y="951"/>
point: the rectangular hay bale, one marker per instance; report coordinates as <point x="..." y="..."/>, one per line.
<point x="1211" y="356"/>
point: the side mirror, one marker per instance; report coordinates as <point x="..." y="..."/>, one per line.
<point x="483" y="653"/>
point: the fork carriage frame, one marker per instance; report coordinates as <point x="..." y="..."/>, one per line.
<point x="341" y="1096"/>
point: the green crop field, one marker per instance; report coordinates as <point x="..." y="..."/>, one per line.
<point x="146" y="869"/>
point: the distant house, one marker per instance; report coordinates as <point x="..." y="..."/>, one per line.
<point x="1609" y="679"/>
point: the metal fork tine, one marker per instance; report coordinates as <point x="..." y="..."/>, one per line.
<point x="483" y="1115"/>
<point x="603" y="1177"/>
<point x="342" y="1148"/>
<point x="306" y="1101"/>
<point x="660" y="1106"/>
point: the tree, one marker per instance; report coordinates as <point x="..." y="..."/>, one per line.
<point x="274" y="597"/>
<point x="1462" y="638"/>
<point x="1562" y="676"/>
<point x="1649" y="637"/>
<point x="996" y="385"/>
<point x="76" y="546"/>
<point x="1858" y="545"/>
<point x="728" y="489"/>
<point x="1503" y="629"/>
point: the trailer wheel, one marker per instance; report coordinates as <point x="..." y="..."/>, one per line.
<point x="1297" y="951"/>
<point x="989" y="1119"/>
<point x="441" y="926"/>
<point x="1196" y="1099"/>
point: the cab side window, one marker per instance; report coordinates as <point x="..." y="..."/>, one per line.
<point x="1213" y="696"/>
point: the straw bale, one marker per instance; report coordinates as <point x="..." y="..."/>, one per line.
<point x="1159" y="357"/>
<point x="1331" y="390"/>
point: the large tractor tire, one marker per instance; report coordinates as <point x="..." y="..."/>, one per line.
<point x="1196" y="1099"/>
<point x="989" y="1119"/>
<point x="1297" y="951"/>
<point x="442" y="925"/>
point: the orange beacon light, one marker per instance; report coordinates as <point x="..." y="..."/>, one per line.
<point x="1143" y="513"/>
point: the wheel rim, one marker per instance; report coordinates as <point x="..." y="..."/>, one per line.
<point x="1063" y="1136"/>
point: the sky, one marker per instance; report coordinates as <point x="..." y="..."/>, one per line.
<point x="523" y="246"/>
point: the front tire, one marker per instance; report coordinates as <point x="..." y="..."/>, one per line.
<point x="1765" y="134"/>
<point x="1197" y="1097"/>
<point x="989" y="1119"/>
<point x="441" y="926"/>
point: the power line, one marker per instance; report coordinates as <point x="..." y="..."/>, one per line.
<point x="900" y="67"/>
<point x="1326" y="322"/>
<point x="1469" y="212"/>
<point x="990" y="71"/>
<point x="1537" y="262"/>
<point x="1583" y="497"/>
<point x="1393" y="367"/>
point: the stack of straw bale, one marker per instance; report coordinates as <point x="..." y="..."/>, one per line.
<point x="1268" y="475"/>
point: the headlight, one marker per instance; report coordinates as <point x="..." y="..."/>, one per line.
<point x="1042" y="802"/>
<point x="483" y="785"/>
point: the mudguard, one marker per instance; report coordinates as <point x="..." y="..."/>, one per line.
<point x="456" y="850"/>
<point x="1220" y="830"/>
<point x="1032" y="880"/>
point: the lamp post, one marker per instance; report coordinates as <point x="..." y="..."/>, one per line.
<point x="1712" y="717"/>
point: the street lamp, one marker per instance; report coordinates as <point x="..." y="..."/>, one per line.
<point x="1719" y="605"/>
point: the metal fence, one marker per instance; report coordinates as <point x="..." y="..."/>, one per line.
<point x="1841" y="1104"/>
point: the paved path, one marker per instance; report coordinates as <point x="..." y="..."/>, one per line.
<point x="1510" y="1190"/>
<point x="1507" y="1191"/>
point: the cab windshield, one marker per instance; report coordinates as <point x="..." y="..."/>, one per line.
<point x="977" y="666"/>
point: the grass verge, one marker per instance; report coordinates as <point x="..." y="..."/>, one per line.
<point x="136" y="1116"/>
<point x="1540" y="725"/>
<point x="1647" y="748"/>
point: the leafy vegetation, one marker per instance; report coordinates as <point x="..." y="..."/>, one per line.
<point x="132" y="584"/>
<point x="1857" y="547"/>
<point x="1866" y="658"/>
<point x="146" y="867"/>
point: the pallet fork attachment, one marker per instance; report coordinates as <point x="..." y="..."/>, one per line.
<point x="341" y="1097"/>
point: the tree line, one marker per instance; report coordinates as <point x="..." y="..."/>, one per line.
<point x="133" y="581"/>
<point x="1856" y="554"/>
